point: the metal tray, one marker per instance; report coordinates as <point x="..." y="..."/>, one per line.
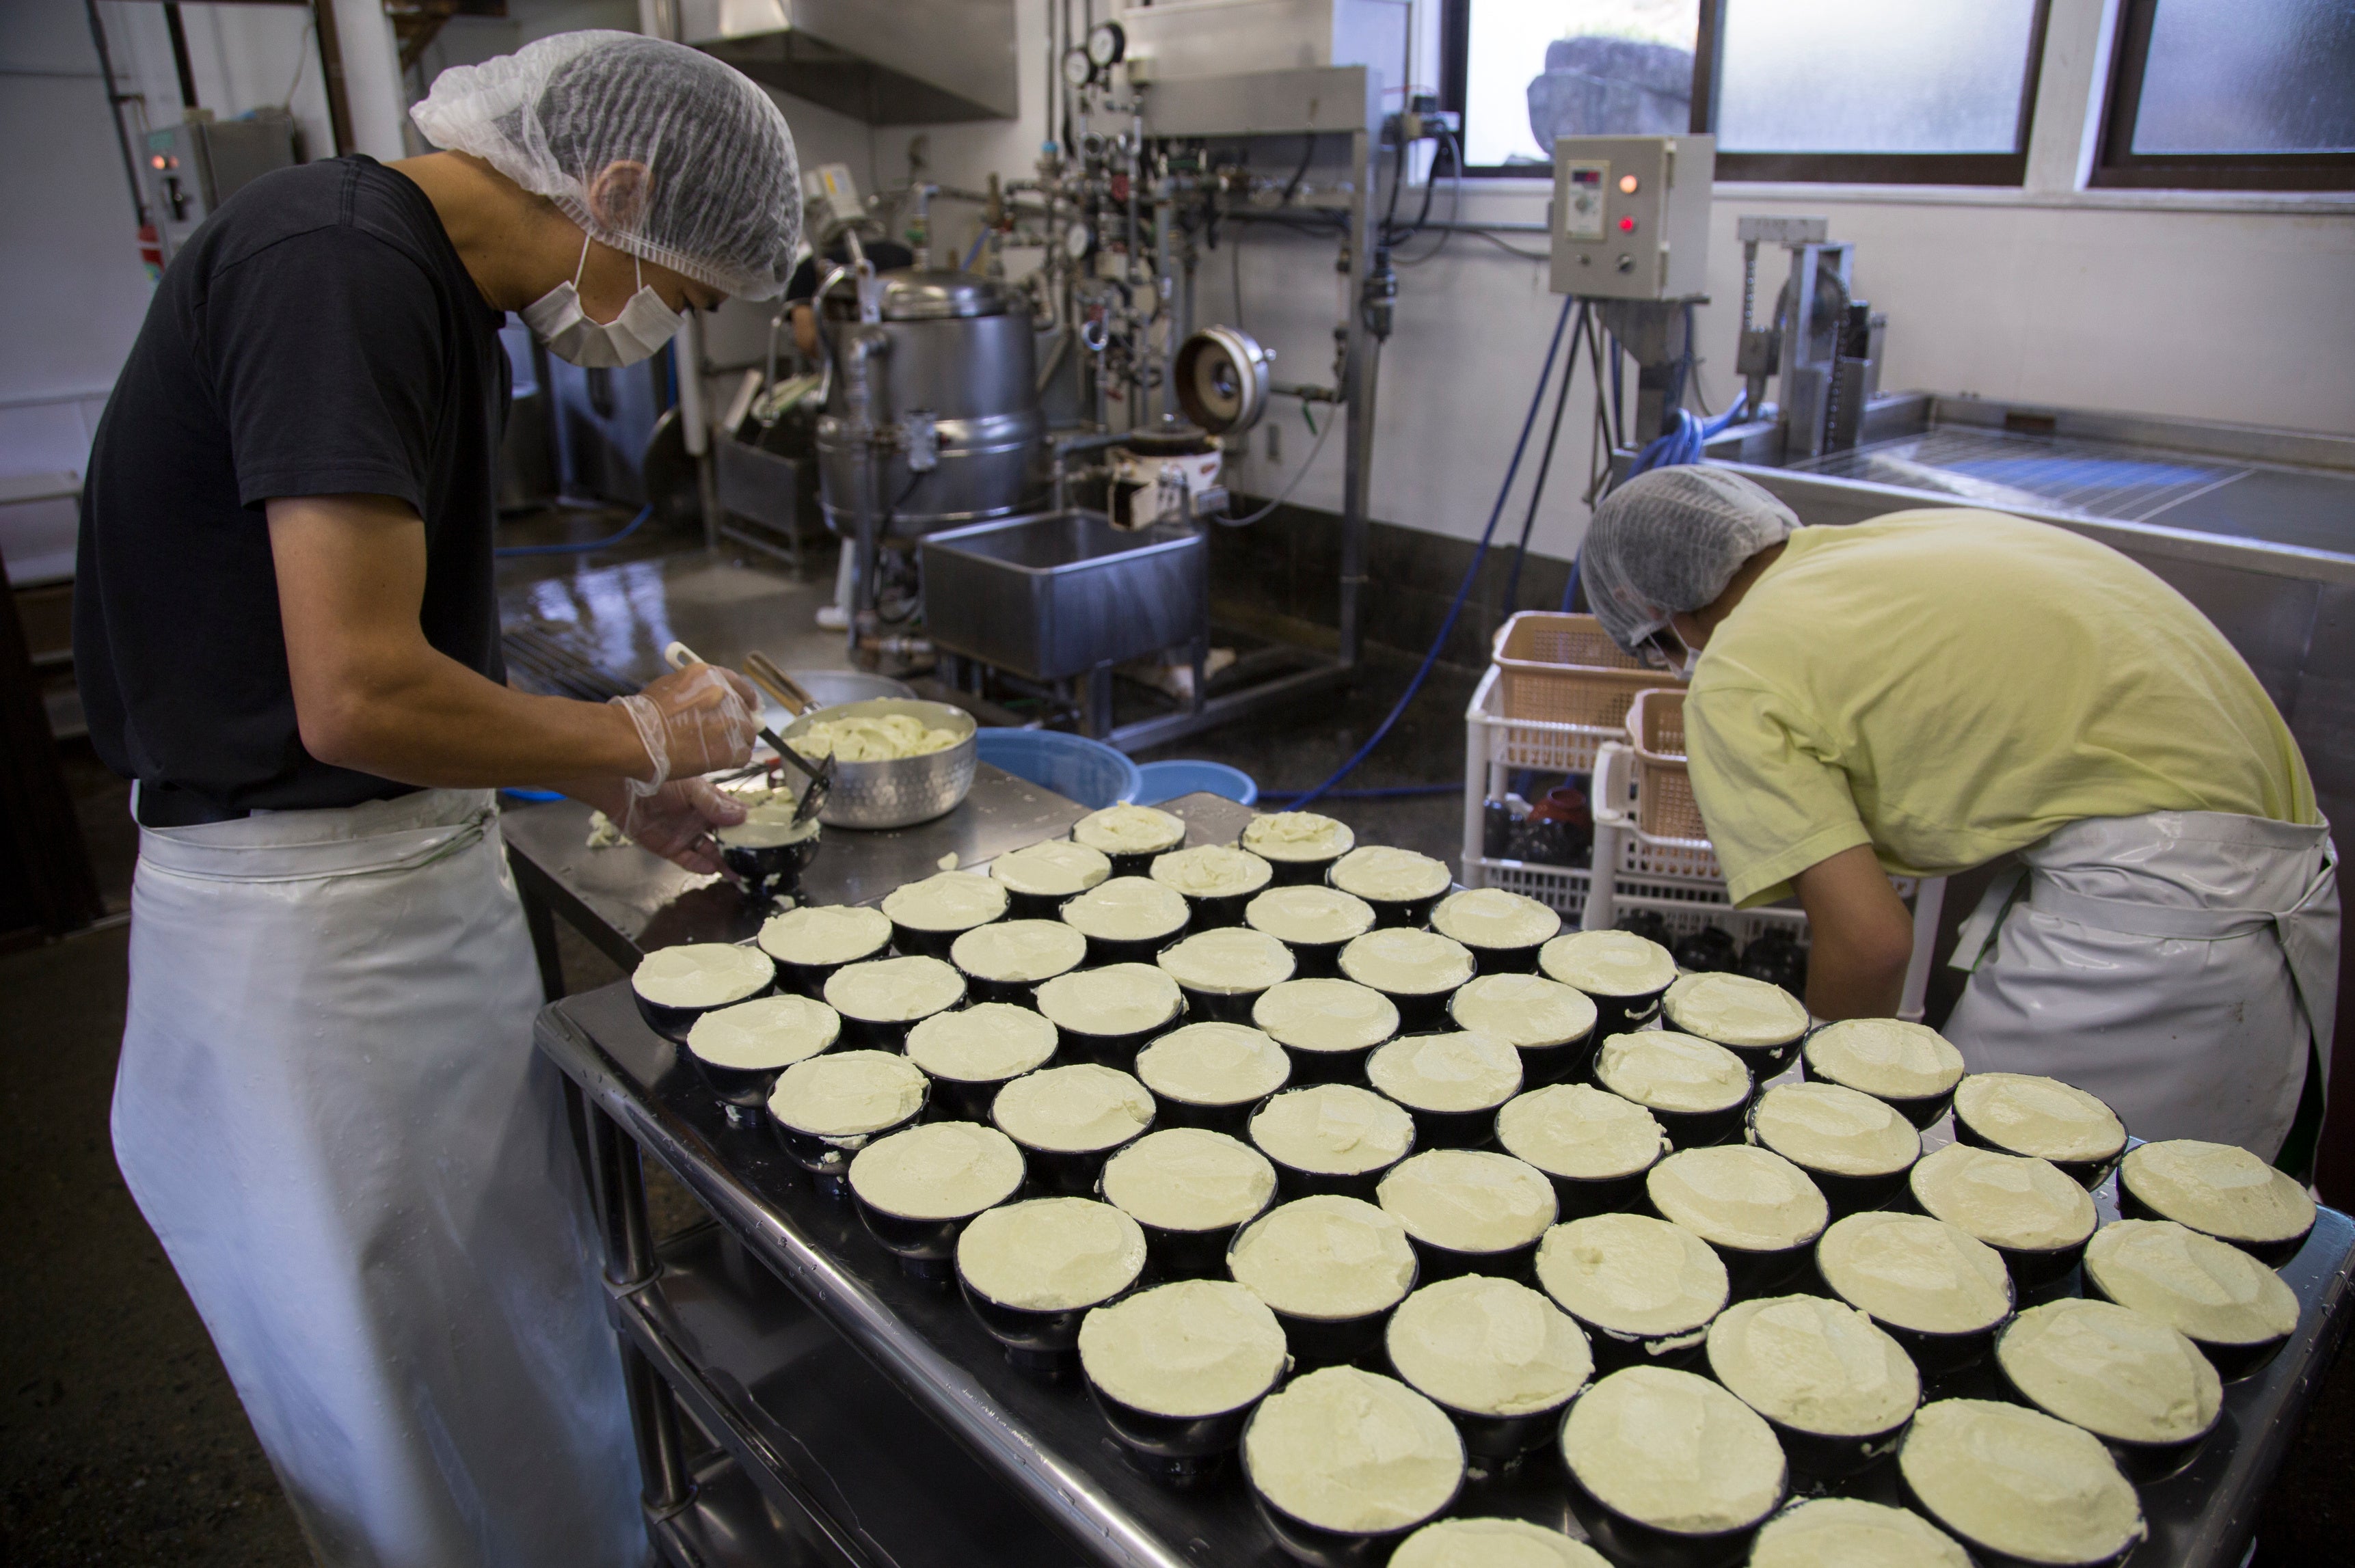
<point x="1045" y="1442"/>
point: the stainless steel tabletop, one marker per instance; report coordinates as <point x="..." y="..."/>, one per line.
<point x="629" y="902"/>
<point x="1044" y="1441"/>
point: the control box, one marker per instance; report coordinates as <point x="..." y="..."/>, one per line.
<point x="1631" y="216"/>
<point x="196" y="164"/>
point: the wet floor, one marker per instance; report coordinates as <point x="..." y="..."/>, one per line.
<point x="121" y="1442"/>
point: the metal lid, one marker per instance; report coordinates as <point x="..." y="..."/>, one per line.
<point x="911" y="295"/>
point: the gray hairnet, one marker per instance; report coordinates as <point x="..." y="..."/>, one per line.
<point x="1670" y="540"/>
<point x="724" y="191"/>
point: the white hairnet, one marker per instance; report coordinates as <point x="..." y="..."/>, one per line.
<point x="723" y="202"/>
<point x="1670" y="540"/>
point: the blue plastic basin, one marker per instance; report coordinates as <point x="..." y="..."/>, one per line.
<point x="1089" y="771"/>
<point x="1167" y="780"/>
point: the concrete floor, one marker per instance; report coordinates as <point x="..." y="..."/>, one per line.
<point x="121" y="1442"/>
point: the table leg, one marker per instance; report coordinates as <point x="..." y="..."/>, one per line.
<point x="618" y="1187"/>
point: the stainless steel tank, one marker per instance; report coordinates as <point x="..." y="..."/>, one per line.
<point x="961" y="351"/>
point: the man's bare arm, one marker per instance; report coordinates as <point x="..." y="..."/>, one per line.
<point x="371" y="693"/>
<point x="1863" y="936"/>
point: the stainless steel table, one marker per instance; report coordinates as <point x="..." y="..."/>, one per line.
<point x="860" y="1417"/>
<point x="628" y="902"/>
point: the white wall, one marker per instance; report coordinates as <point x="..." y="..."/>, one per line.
<point x="2227" y="307"/>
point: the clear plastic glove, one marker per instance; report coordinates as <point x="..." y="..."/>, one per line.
<point x="694" y="720"/>
<point x="676" y="821"/>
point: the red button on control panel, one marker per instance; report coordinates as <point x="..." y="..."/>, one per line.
<point x="1626" y="225"/>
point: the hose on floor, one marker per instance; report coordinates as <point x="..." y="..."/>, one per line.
<point x="1471" y="572"/>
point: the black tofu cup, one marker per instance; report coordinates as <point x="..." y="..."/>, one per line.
<point x="1103" y="951"/>
<point x="926" y="1247"/>
<point x="1580" y="1196"/>
<point x="1634" y="1544"/>
<point x="1315" y="1546"/>
<point x="969" y="1099"/>
<point x="768" y="870"/>
<point x="1754" y="1272"/>
<point x="674" y="1022"/>
<point x="1623" y="1015"/>
<point x="2032" y="1269"/>
<point x="1171" y="1253"/>
<point x="2087" y="1173"/>
<point x="928" y="941"/>
<point x="809" y="979"/>
<point x="827" y="1159"/>
<point x="1419" y="1013"/>
<point x="1984" y="1556"/>
<point x="2273" y="1253"/>
<point x="1434" y="1262"/>
<point x="1231" y="1117"/>
<point x="1684" y="1351"/>
<point x="1395" y="912"/>
<point x="1179" y="1451"/>
<point x="1700" y="1129"/>
<point x="1922" y="1110"/>
<point x="1936" y="1355"/>
<point x="1298" y="1181"/>
<point x="1116" y="1050"/>
<point x="2232" y="1358"/>
<point x="1220" y="1006"/>
<point x="1210" y="912"/>
<point x="1071" y="1173"/>
<point x="1845" y="1193"/>
<point x="2141" y="1463"/>
<point x="1041" y="1340"/>
<point x="1543" y="1062"/>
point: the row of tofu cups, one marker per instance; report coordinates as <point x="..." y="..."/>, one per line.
<point x="2276" y="1284"/>
<point x="1461" y="1089"/>
<point x="1334" y="1339"/>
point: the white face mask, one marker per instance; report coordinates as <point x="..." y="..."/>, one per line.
<point x="644" y="324"/>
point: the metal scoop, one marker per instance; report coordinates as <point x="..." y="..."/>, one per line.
<point x="678" y="655"/>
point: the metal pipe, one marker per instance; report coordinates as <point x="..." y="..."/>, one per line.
<point x="1163" y="304"/>
<point x="180" y="62"/>
<point x="1359" y="363"/>
<point x="114" y="101"/>
<point x="331" y="75"/>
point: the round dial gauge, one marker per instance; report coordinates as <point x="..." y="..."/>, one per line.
<point x="1077" y="69"/>
<point x="1107" y="43"/>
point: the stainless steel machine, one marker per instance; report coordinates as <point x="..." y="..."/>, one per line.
<point x="951" y="418"/>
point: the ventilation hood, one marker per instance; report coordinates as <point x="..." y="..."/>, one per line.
<point x="886" y="62"/>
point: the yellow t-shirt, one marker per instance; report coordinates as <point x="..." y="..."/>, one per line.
<point x="1949" y="685"/>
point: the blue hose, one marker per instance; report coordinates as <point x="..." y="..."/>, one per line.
<point x="1471" y="572"/>
<point x="583" y="547"/>
<point x="978" y="242"/>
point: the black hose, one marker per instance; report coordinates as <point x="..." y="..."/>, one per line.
<point x="1307" y="151"/>
<point x="1545" y="465"/>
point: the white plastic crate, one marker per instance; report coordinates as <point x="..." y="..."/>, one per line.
<point x="1561" y="888"/>
<point x="1641" y="854"/>
<point x="1539" y="743"/>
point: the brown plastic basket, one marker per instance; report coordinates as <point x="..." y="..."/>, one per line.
<point x="1665" y="807"/>
<point x="1565" y="669"/>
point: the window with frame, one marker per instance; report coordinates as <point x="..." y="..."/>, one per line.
<point x="2231" y="94"/>
<point x="1932" y="91"/>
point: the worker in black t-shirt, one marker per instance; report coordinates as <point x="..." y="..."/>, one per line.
<point x="801" y="289"/>
<point x="328" y="1105"/>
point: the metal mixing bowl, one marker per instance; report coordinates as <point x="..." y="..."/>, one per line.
<point x="903" y="791"/>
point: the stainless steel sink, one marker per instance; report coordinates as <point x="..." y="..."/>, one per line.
<point x="1057" y="593"/>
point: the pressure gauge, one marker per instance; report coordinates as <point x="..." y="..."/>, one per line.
<point x="1077" y="69"/>
<point x="1107" y="45"/>
<point x="1076" y="240"/>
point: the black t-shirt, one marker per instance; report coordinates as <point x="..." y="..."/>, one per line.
<point x="317" y="336"/>
<point x="885" y="255"/>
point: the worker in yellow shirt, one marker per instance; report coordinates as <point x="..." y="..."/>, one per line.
<point x="1928" y="691"/>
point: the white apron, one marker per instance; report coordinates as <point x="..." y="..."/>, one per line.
<point x="2180" y="965"/>
<point x="330" y="1111"/>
